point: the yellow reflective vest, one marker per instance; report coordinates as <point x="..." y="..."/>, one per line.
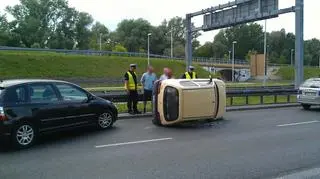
<point x="189" y="77"/>
<point x="131" y="84"/>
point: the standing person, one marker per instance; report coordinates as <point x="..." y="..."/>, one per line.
<point x="147" y="81"/>
<point x="164" y="76"/>
<point x="169" y="75"/>
<point x="190" y="74"/>
<point x="131" y="86"/>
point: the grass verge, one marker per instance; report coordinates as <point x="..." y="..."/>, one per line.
<point x="287" y="73"/>
<point x="22" y="64"/>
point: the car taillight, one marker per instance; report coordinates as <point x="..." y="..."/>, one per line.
<point x="2" y="115"/>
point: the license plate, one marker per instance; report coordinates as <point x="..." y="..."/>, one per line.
<point x="309" y="94"/>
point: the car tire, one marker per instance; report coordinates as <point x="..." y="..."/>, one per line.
<point x="105" y="120"/>
<point x="306" y="106"/>
<point x="24" y="135"/>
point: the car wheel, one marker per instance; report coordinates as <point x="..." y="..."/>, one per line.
<point x="306" y="106"/>
<point x="24" y="135"/>
<point x="105" y="120"/>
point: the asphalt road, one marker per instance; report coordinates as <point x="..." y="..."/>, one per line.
<point x="248" y="144"/>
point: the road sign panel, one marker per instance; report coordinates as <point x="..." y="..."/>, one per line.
<point x="239" y="13"/>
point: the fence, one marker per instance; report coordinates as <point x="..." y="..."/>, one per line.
<point x="236" y="97"/>
<point x="124" y="54"/>
<point x="201" y="60"/>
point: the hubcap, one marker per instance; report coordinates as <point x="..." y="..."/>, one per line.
<point x="25" y="135"/>
<point x="105" y="120"/>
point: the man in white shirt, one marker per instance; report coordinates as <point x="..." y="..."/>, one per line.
<point x="164" y="76"/>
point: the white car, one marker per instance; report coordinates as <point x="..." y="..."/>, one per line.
<point x="309" y="93"/>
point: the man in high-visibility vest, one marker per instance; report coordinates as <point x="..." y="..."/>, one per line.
<point x="131" y="86"/>
<point x="190" y="74"/>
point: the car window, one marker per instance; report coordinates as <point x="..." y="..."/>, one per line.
<point x="42" y="93"/>
<point x="71" y="93"/>
<point x="15" y="95"/>
<point x="311" y="84"/>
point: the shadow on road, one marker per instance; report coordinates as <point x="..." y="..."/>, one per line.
<point x="47" y="140"/>
<point x="202" y="124"/>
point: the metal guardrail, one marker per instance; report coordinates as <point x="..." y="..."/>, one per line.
<point x="229" y="89"/>
<point x="231" y="95"/>
<point x="261" y="94"/>
<point x="125" y="54"/>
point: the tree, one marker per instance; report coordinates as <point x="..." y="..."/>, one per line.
<point x="160" y="40"/>
<point x="133" y="34"/>
<point x="205" y="50"/>
<point x="49" y="23"/>
<point x="82" y="31"/>
<point x="35" y="20"/>
<point x="220" y="45"/>
<point x="276" y="42"/>
<point x="97" y="30"/>
<point x="248" y="37"/>
<point x="312" y="52"/>
<point x="64" y="34"/>
<point x="4" y="30"/>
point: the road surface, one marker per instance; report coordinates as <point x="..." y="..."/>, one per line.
<point x="249" y="144"/>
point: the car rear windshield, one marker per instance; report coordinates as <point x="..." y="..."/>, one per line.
<point x="311" y="84"/>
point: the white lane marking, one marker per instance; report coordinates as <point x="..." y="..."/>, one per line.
<point x="298" y="123"/>
<point x="303" y="174"/>
<point x="149" y="127"/>
<point x="134" y="142"/>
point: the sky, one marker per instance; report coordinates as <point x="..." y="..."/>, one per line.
<point x="111" y="12"/>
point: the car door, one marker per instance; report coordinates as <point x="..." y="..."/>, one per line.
<point x="46" y="106"/>
<point x="77" y="102"/>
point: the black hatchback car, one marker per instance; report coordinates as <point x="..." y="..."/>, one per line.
<point x="31" y="107"/>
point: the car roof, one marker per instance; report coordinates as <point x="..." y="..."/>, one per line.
<point x="8" y="83"/>
<point x="314" y="79"/>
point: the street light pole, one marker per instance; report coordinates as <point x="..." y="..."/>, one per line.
<point x="229" y="55"/>
<point x="171" y="41"/>
<point x="149" y="48"/>
<point x="100" y="41"/>
<point x="233" y="43"/>
<point x="265" y="52"/>
<point x="292" y="57"/>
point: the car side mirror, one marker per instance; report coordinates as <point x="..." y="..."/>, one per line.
<point x="90" y="98"/>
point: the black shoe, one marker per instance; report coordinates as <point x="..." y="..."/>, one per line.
<point x="137" y="112"/>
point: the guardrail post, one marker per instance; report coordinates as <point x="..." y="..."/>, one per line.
<point x="231" y="101"/>
<point x="261" y="99"/>
<point x="288" y="98"/>
<point x="247" y="99"/>
<point x="275" y="98"/>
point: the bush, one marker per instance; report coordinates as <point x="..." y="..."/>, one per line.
<point x="119" y="48"/>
